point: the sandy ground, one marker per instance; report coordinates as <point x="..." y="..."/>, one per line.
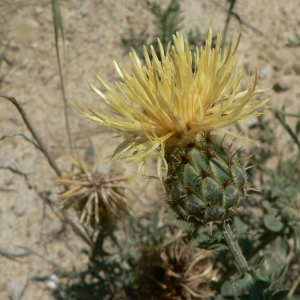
<point x="93" y="33"/>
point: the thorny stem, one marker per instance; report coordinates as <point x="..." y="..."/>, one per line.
<point x="235" y="249"/>
<point x="36" y="136"/>
<point x="254" y="291"/>
<point x="265" y="240"/>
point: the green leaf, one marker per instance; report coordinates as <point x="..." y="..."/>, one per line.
<point x="296" y="235"/>
<point x="276" y="273"/>
<point x="3" y="54"/>
<point x="298" y="127"/>
<point x="239" y="224"/>
<point x="244" y="282"/>
<point x="281" y="247"/>
<point x="261" y="261"/>
<point x="260" y="282"/>
<point x="273" y="223"/>
<point x="281" y="295"/>
<point x="266" y="205"/>
<point x="228" y="289"/>
<point x="218" y="247"/>
<point x="269" y="172"/>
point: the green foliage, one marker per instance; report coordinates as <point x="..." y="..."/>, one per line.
<point x="265" y="243"/>
<point x="167" y="22"/>
<point x="295" y="43"/>
<point x="112" y="274"/>
<point x="2" y="59"/>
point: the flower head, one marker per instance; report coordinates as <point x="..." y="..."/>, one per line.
<point x="176" y="97"/>
<point x="100" y="199"/>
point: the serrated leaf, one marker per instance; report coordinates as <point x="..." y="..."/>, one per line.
<point x="273" y="223"/>
<point x="281" y="247"/>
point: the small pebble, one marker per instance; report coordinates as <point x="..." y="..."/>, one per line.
<point x="15" y="289"/>
<point x="281" y="86"/>
<point x="296" y="68"/>
<point x="18" y="210"/>
<point x="252" y="123"/>
<point x="53" y="282"/>
<point x="266" y="72"/>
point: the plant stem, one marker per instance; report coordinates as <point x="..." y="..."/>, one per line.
<point x="104" y="233"/>
<point x="58" y="27"/>
<point x="235" y="249"/>
<point x="229" y="15"/>
<point x="265" y="240"/>
<point x="249" y="277"/>
<point x="36" y="136"/>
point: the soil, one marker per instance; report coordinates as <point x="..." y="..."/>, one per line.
<point x="34" y="242"/>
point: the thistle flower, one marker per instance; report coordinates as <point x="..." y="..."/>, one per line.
<point x="169" y="108"/>
<point x="100" y="199"/>
<point x="175" y="98"/>
<point x="176" y="271"/>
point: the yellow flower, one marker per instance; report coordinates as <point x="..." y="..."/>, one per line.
<point x="177" y="97"/>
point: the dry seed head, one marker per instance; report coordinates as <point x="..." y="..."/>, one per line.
<point x="176" y="271"/>
<point x="100" y="199"/>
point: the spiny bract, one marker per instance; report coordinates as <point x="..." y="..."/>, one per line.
<point x="204" y="181"/>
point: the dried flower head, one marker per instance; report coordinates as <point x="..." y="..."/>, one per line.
<point x="174" y="98"/>
<point x="176" y="271"/>
<point x="100" y="199"/>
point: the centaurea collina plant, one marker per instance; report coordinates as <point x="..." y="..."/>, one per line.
<point x="169" y="109"/>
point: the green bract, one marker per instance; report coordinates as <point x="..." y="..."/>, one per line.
<point x="204" y="182"/>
